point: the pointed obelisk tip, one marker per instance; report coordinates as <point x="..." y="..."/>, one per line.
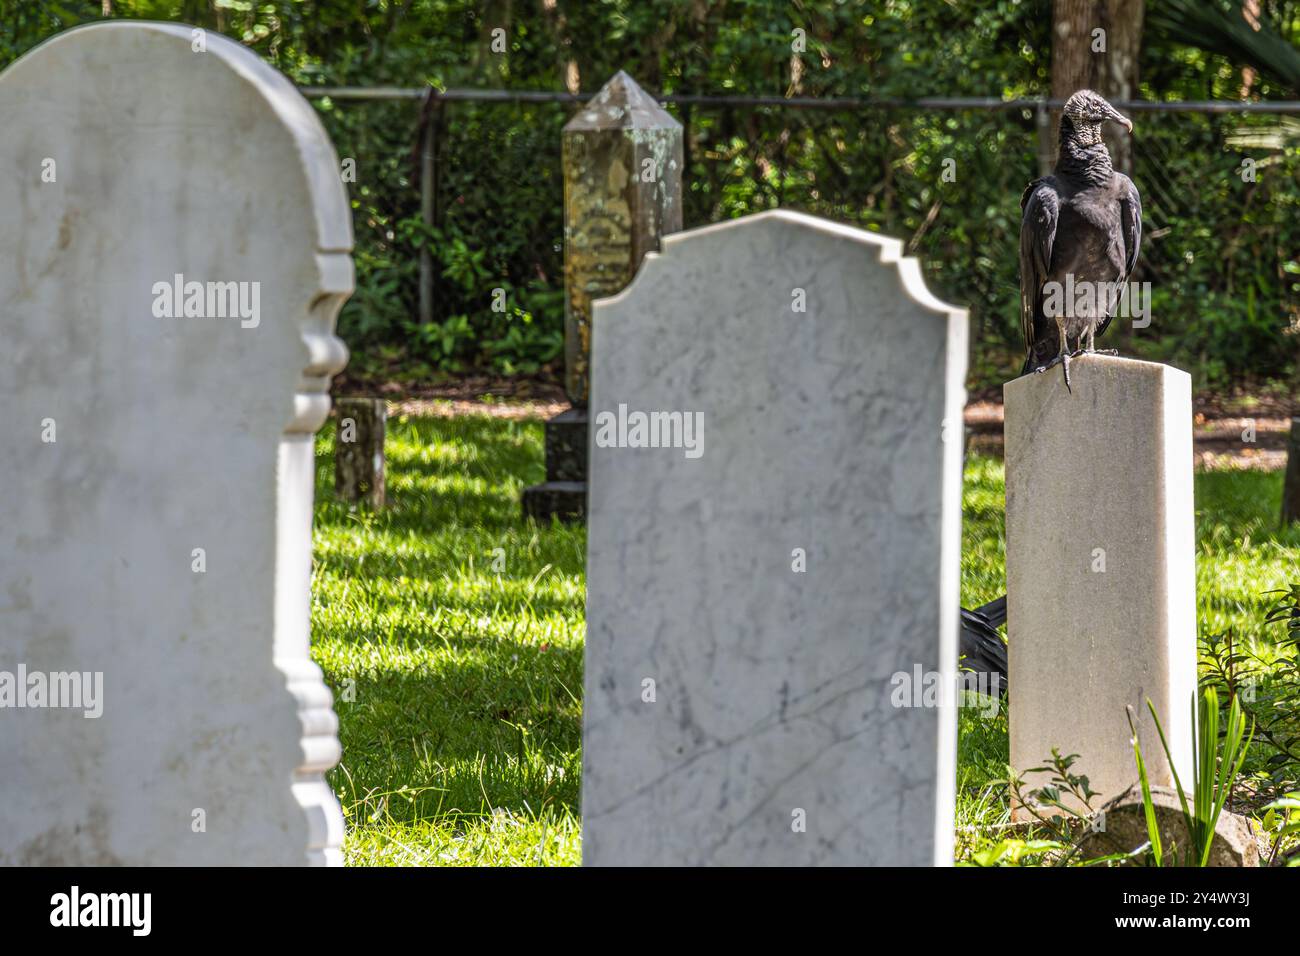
<point x="621" y="104"/>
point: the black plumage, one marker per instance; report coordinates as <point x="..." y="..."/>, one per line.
<point x="981" y="646"/>
<point x="1081" y="228"/>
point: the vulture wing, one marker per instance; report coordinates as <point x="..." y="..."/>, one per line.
<point x="1130" y="206"/>
<point x="1039" y="207"/>
<point x="1130" y="225"/>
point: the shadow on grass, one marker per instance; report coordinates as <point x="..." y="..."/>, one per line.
<point x="1234" y="505"/>
<point x="457" y="683"/>
<point x="480" y="732"/>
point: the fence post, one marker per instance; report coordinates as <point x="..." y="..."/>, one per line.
<point x="428" y="145"/>
<point x="622" y="194"/>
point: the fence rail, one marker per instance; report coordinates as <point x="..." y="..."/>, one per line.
<point x="750" y="152"/>
<point x="793" y="102"/>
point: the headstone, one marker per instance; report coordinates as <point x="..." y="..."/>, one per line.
<point x="1101" y="600"/>
<point x="174" y="254"/>
<point x="359" y="450"/>
<point x="622" y="156"/>
<point x="772" y="583"/>
<point x="1291" y="480"/>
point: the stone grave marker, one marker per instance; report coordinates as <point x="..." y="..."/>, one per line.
<point x="359" y="450"/>
<point x="622" y="194"/>
<point x="773" y="554"/>
<point x="1101" y="578"/>
<point x="175" y="251"/>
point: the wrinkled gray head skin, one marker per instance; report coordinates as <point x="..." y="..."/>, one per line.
<point x="1087" y="111"/>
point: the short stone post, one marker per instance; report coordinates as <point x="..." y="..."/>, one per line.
<point x="1291" y="484"/>
<point x="359" y="450"/>
<point x="1101" y="601"/>
<point x="622" y="194"/>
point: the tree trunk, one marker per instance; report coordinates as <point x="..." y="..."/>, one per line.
<point x="1106" y="62"/>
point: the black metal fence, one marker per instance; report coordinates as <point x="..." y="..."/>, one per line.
<point x="470" y="181"/>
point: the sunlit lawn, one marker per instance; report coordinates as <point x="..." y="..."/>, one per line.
<point x="451" y="632"/>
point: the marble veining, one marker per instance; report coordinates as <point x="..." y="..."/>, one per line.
<point x="823" y="430"/>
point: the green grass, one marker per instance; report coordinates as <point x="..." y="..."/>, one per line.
<point x="1242" y="552"/>
<point x="461" y="737"/>
<point x="459" y="681"/>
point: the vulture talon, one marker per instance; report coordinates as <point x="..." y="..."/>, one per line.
<point x="1062" y="360"/>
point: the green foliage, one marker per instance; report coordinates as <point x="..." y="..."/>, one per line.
<point x="1219" y="251"/>
<point x="456" y="667"/>
<point x="1012" y="852"/>
<point x="1283" y="828"/>
<point x="1216" y="764"/>
<point x="1221" y="28"/>
<point x="1242" y="555"/>
<point x="1263" y="679"/>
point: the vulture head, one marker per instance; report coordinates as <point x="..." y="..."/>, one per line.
<point x="1084" y="112"/>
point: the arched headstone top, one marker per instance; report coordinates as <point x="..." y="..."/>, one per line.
<point x="232" y="69"/>
<point x="784" y="225"/>
<point x="174" y="256"/>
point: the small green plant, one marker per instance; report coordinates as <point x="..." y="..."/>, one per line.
<point x="1054" y="807"/>
<point x="1284" y="829"/>
<point x="1215" y="767"/>
<point x="1012" y="852"/>
<point x="1265" y="680"/>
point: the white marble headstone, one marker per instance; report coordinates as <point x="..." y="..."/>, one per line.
<point x="1101" y="571"/>
<point x="758" y="594"/>
<point x="155" y="530"/>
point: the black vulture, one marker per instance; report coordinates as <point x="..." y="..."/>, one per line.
<point x="1080" y="229"/>
<point x="981" y="647"/>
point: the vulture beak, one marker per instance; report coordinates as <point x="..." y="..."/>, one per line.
<point x="1120" y="118"/>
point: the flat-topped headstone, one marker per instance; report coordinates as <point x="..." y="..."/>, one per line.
<point x="773" y="554"/>
<point x="1101" y="599"/>
<point x="174" y="254"/>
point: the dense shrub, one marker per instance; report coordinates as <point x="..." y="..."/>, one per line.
<point x="1219" y="251"/>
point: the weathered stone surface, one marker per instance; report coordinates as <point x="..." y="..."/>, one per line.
<point x="1101" y="603"/>
<point x="566" y="500"/>
<point x="564" y="494"/>
<point x="622" y="157"/>
<point x="1123" y="828"/>
<point x="159" y="459"/>
<point x="359" y="450"/>
<point x="773" y="735"/>
<point x="566" y="446"/>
